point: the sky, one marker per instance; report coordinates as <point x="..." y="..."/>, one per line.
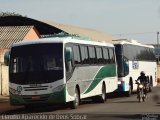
<point x="128" y="19"/>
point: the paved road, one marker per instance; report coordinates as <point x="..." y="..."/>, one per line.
<point x="120" y="108"/>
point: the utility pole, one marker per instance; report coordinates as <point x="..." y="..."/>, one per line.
<point x="158" y="47"/>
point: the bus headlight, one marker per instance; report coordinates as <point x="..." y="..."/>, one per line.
<point x="13" y="91"/>
<point x="58" y="89"/>
<point x="120" y="82"/>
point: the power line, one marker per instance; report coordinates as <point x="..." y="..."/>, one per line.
<point x="122" y="34"/>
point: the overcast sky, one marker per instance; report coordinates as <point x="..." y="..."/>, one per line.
<point x="132" y="19"/>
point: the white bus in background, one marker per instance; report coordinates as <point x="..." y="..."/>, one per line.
<point x="61" y="70"/>
<point x="132" y="58"/>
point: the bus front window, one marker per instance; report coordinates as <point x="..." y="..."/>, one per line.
<point x="40" y="63"/>
<point x="122" y="61"/>
<point x="125" y="66"/>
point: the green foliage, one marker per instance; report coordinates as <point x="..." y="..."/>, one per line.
<point x="4" y="14"/>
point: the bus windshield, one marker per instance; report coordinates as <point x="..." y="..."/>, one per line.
<point x="122" y="61"/>
<point x="36" y="64"/>
<point x="118" y="50"/>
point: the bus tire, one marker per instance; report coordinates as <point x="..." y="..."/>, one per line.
<point x="150" y="88"/>
<point x="150" y="84"/>
<point x="102" y="97"/>
<point x="129" y="92"/>
<point x="76" y="102"/>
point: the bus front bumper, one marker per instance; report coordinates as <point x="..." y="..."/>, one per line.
<point x="54" y="98"/>
<point x="121" y="87"/>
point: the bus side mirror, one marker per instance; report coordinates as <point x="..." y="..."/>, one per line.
<point x="6" y="58"/>
<point x="68" y="54"/>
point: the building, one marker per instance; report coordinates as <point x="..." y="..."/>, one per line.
<point x="8" y="36"/>
<point x="157" y="50"/>
<point x="86" y="32"/>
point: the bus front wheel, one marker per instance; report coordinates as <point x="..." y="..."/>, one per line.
<point x="150" y="86"/>
<point x="129" y="92"/>
<point x="76" y="102"/>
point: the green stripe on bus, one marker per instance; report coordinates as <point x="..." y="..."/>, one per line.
<point x="107" y="71"/>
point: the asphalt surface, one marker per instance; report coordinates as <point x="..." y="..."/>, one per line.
<point x="117" y="107"/>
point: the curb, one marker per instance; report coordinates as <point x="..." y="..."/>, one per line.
<point x="4" y="99"/>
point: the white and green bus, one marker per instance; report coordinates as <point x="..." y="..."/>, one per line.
<point x="61" y="70"/>
<point x="132" y="58"/>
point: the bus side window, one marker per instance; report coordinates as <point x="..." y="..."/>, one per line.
<point x="111" y="55"/>
<point x="84" y="54"/>
<point x="69" y="59"/>
<point x="99" y="55"/>
<point x="106" y="55"/>
<point x="125" y="66"/>
<point x="76" y="54"/>
<point x="92" y="55"/>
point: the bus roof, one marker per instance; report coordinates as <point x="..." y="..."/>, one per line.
<point x="131" y="42"/>
<point x="61" y="40"/>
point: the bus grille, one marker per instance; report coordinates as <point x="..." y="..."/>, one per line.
<point x="35" y="88"/>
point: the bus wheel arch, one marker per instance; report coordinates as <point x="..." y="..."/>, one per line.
<point x="131" y="83"/>
<point x="104" y="84"/>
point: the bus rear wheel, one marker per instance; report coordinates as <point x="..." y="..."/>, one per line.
<point x="150" y="87"/>
<point x="76" y="102"/>
<point x="150" y="84"/>
<point x="102" y="97"/>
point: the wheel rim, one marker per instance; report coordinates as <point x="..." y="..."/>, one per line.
<point x="103" y="94"/>
<point x="76" y="99"/>
<point x="130" y="90"/>
<point x="150" y="87"/>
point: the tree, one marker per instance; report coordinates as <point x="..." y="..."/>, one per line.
<point x="4" y="14"/>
